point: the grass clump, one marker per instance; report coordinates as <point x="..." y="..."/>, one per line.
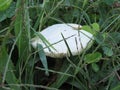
<point x="20" y="65"/>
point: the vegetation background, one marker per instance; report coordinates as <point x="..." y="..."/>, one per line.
<point x="21" y="66"/>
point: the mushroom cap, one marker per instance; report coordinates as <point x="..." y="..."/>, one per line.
<point x="77" y="40"/>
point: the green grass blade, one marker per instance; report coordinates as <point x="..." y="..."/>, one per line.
<point x="44" y="40"/>
<point x="67" y="45"/>
<point x="7" y="68"/>
<point x="43" y="58"/>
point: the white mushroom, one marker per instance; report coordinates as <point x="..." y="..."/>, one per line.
<point x="76" y="39"/>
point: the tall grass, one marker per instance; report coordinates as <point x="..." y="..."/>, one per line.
<point x="21" y="67"/>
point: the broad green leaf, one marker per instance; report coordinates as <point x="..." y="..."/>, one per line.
<point x="8" y="13"/>
<point x="95" y="67"/>
<point x="114" y="37"/>
<point x="87" y="28"/>
<point x="4" y="4"/>
<point x="93" y="28"/>
<point x="107" y="51"/>
<point x="93" y="57"/>
<point x="99" y="38"/>
<point x="43" y="58"/>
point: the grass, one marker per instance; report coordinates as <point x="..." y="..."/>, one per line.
<point x="21" y="67"/>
